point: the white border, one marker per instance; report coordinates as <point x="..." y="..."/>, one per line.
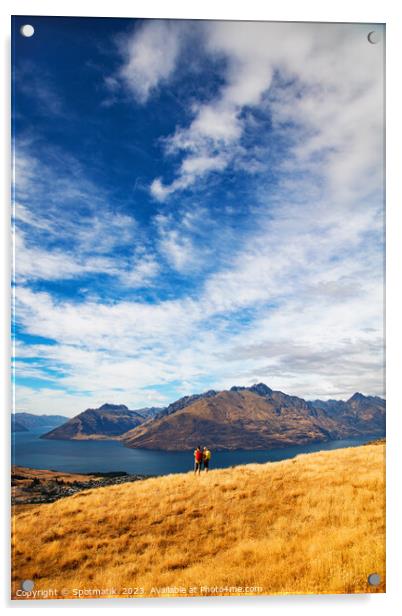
<point x="368" y="11"/>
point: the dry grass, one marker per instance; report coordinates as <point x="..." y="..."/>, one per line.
<point x="309" y="525"/>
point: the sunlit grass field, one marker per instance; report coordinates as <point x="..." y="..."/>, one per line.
<point x="313" y="524"/>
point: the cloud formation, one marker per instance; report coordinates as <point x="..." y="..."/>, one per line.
<point x="255" y="255"/>
<point x="326" y="81"/>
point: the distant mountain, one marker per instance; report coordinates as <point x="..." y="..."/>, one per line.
<point x="358" y="412"/>
<point x="16" y="426"/>
<point x="256" y="417"/>
<point x="108" y="421"/>
<point x="149" y="412"/>
<point x="29" y="421"/>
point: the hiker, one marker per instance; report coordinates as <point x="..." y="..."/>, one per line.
<point x="206" y="456"/>
<point x="197" y="460"/>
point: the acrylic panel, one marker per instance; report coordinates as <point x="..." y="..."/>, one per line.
<point x="198" y="378"/>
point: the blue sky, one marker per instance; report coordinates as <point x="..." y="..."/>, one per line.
<point x="196" y="205"/>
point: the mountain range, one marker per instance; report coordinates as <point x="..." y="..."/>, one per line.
<point x="255" y="417"/>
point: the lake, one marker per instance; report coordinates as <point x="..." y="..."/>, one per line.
<point x="103" y="456"/>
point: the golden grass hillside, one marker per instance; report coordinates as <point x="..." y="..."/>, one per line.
<point x="313" y="524"/>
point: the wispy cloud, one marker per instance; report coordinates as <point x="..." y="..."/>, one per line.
<point x="78" y="233"/>
<point x="39" y="88"/>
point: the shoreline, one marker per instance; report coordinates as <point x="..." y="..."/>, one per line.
<point x="42" y="486"/>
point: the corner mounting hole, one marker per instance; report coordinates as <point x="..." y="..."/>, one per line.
<point x="27" y="30"/>
<point x="27" y="585"/>
<point x="373" y="37"/>
<point x="374" y="579"/>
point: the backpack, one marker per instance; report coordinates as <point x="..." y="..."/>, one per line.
<point x="198" y="455"/>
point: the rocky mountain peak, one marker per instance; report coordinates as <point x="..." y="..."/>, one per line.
<point x="113" y="407"/>
<point x="182" y="403"/>
<point x="261" y="389"/>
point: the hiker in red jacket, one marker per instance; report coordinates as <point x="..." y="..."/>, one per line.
<point x="197" y="460"/>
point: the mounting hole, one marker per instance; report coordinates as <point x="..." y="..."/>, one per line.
<point x="27" y="585"/>
<point x="27" y="30"/>
<point x="373" y="37"/>
<point x="374" y="579"/>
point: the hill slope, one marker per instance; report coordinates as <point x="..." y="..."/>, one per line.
<point x="305" y="525"/>
<point x="255" y="418"/>
<point x="109" y="420"/>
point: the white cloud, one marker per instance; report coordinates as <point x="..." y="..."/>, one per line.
<point x="176" y="243"/>
<point x="150" y="57"/>
<point x="143" y="272"/>
<point x="191" y="168"/>
<point x="35" y="263"/>
<point x="158" y="190"/>
<point x="177" y="249"/>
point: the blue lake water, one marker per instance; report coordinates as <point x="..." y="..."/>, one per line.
<point x="103" y="456"/>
